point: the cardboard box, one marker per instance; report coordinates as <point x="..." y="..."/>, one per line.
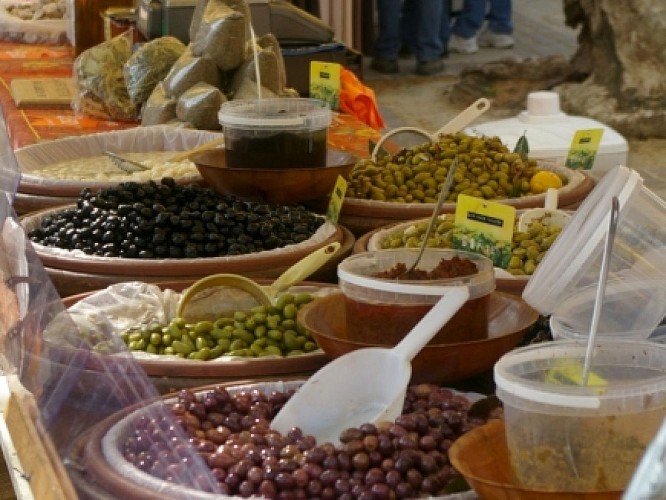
<point x="297" y="62"/>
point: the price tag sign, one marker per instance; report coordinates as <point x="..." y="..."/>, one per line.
<point x="584" y="147"/>
<point x="325" y="82"/>
<point x="484" y="227"/>
<point x="337" y="197"/>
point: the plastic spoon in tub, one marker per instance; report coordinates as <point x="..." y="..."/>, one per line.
<point x="443" y="194"/>
<point x="365" y="385"/>
<point x="549" y="215"/>
<point x="262" y="294"/>
<point x="413" y="134"/>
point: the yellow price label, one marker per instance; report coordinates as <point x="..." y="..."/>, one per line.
<point x="337" y="198"/>
<point x="484" y="227"/>
<point x="325" y="82"/>
<point x="584" y="147"/>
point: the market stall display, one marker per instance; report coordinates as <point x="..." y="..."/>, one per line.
<point x="108" y="457"/>
<point x="38" y="21"/>
<point x="184" y="232"/>
<point x="403" y="186"/>
<point x="63" y="167"/>
<point x="528" y="248"/>
<point x="137" y="307"/>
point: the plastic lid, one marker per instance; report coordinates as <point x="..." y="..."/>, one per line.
<point x="580" y="241"/>
<point x="631" y="370"/>
<point x="542" y="105"/>
<point x="285" y="113"/>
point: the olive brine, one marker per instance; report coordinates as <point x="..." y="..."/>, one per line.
<point x="168" y="220"/>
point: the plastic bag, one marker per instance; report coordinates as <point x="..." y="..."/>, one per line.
<point x="221" y="35"/>
<point x="98" y="75"/>
<point x="66" y="390"/>
<point x="199" y="105"/>
<point x="188" y="70"/>
<point x="268" y="58"/>
<point x="149" y="64"/>
<point x="159" y="108"/>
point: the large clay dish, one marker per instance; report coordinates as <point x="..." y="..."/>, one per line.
<point x="482" y="457"/>
<point x="508" y="319"/>
<point x="169" y="374"/>
<point x="361" y="216"/>
<point x="139" y="139"/>
<point x="69" y="282"/>
<point x="170" y="268"/>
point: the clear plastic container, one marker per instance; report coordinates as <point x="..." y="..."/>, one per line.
<point x="275" y="133"/>
<point x="383" y="310"/>
<point x="563" y="436"/>
<point x="564" y="284"/>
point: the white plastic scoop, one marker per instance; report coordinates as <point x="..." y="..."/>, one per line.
<point x="549" y="215"/>
<point x="459" y="122"/>
<point x="263" y="294"/>
<point x="366" y="385"/>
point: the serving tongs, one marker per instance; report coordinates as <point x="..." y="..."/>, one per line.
<point x="131" y="166"/>
<point x="125" y="164"/>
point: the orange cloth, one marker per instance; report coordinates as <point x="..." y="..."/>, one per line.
<point x="359" y="100"/>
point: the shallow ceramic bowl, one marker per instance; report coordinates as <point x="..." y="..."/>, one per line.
<point x="275" y="185"/>
<point x="508" y="319"/>
<point x="482" y="457"/>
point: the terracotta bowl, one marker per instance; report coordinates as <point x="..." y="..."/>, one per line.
<point x="508" y="316"/>
<point x="482" y="457"/>
<point x="275" y="185"/>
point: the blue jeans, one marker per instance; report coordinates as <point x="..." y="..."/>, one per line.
<point x="416" y="24"/>
<point x="469" y="21"/>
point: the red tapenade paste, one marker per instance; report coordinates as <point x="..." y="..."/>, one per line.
<point x="455" y="267"/>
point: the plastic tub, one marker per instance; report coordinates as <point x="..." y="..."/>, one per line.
<point x="564" y="284"/>
<point x="275" y="133"/>
<point x="383" y="310"/>
<point x="563" y="436"/>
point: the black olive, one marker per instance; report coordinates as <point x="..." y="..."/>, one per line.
<point x="164" y="220"/>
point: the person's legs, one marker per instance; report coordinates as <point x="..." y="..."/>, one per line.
<point x="500" y="26"/>
<point x="468" y="23"/>
<point x="499" y="17"/>
<point x="410" y="11"/>
<point x="429" y="46"/>
<point x="466" y="27"/>
<point x="387" y="44"/>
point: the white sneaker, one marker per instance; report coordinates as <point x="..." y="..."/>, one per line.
<point x="497" y="40"/>
<point x="463" y="45"/>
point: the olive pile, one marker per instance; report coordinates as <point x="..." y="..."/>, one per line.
<point x="407" y="458"/>
<point x="486" y="169"/>
<point x="166" y="220"/>
<point x="262" y="331"/>
<point x="527" y="248"/>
